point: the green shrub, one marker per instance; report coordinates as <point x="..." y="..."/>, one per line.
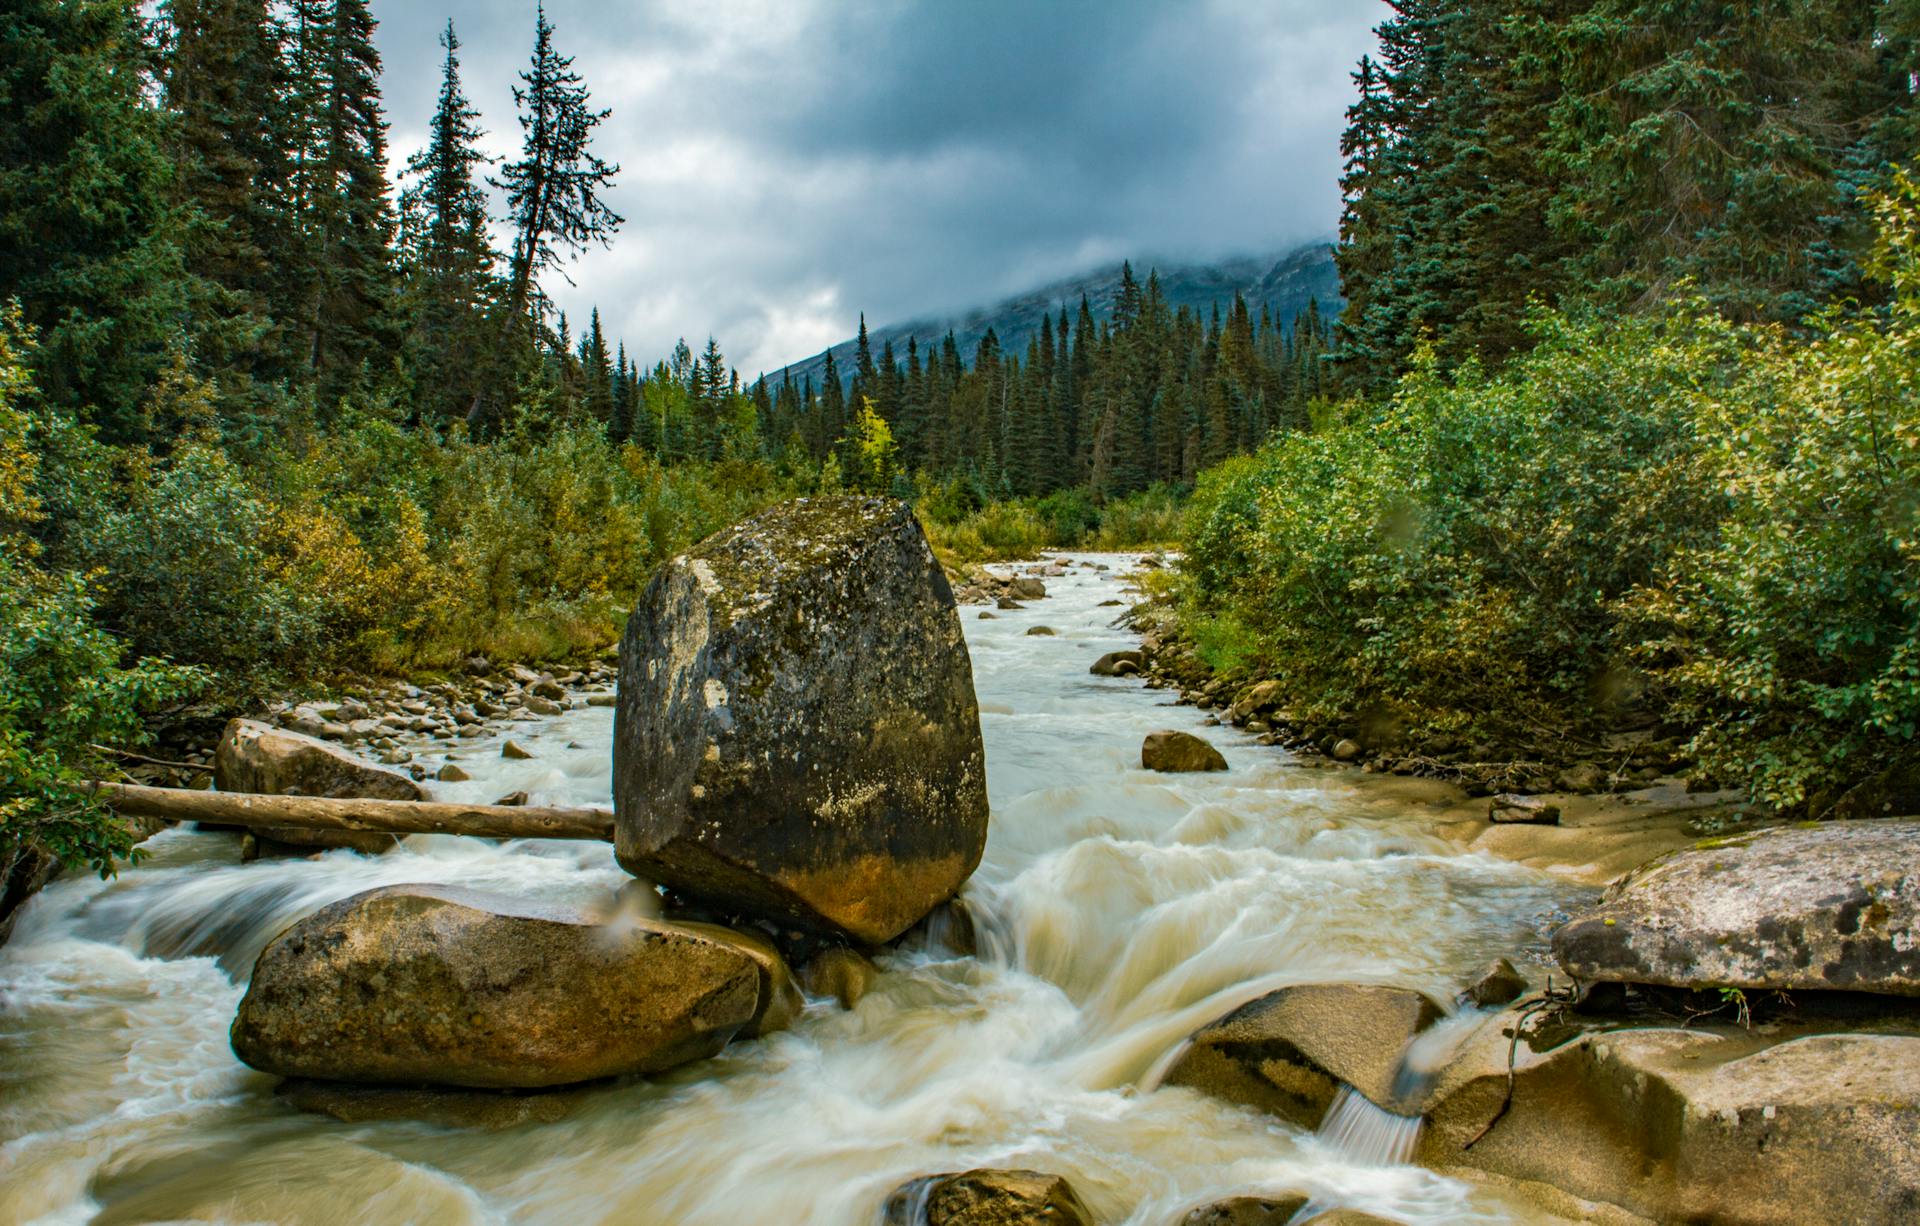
<point x="1793" y="639"/>
<point x="62" y="688"/>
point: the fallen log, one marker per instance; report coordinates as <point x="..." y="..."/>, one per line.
<point x="253" y="809"/>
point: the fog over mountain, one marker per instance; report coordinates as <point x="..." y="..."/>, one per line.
<point x="1283" y="283"/>
<point x="786" y="166"/>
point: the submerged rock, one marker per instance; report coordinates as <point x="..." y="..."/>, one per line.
<point x="797" y="736"/>
<point x="1705" y="1124"/>
<point x="987" y="1198"/>
<point x="842" y="973"/>
<point x="1247" y="1211"/>
<point x="255" y="757"/>
<point x="1171" y="751"/>
<point x="426" y="985"/>
<point x="1827" y="907"/>
<point x="1288" y="1052"/>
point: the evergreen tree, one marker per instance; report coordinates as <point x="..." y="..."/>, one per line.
<point x="553" y="188"/>
<point x="343" y="279"/>
<point x="91" y="232"/>
<point x="596" y="366"/>
<point x="225" y="87"/>
<point x="449" y="256"/>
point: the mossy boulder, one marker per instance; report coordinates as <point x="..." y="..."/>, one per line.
<point x="797" y="736"/>
<point x="1834" y="906"/>
<point x="427" y="985"/>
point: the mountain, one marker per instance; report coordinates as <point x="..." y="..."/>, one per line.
<point x="1283" y="283"/>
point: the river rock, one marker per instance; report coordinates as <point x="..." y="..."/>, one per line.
<point x="1118" y="664"/>
<point x="1711" y="1123"/>
<point x="449" y="773"/>
<point x="1288" y="1052"/>
<point x="1026" y="587"/>
<point x="1247" y="1211"/>
<point x="1041" y="631"/>
<point x="1499" y="984"/>
<point x="256" y="757"/>
<point x="429" y="985"/>
<point x="780" y="1000"/>
<point x="1508" y="808"/>
<point x="797" y="736"/>
<point x="1835" y="906"/>
<point x="841" y="973"/>
<point x="987" y="1198"/>
<point x="1168" y="750"/>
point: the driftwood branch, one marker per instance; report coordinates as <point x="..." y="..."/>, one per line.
<point x="382" y="816"/>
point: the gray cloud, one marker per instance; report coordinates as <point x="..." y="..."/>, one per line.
<point x="790" y="163"/>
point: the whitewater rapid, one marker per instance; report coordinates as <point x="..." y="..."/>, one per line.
<point x="1129" y="909"/>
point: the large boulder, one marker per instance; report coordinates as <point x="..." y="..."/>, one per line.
<point x="1711" y="1123"/>
<point x="797" y="736"/>
<point x="1835" y="906"/>
<point x="256" y="757"/>
<point x="986" y="1198"/>
<point x="1287" y="1053"/>
<point x="425" y="985"/>
<point x="1174" y="752"/>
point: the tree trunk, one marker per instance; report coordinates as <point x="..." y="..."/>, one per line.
<point x="385" y="816"/>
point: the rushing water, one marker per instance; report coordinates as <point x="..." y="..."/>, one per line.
<point x="1131" y="908"/>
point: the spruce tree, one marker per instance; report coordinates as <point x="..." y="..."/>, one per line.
<point x="92" y="232"/>
<point x="553" y="188"/>
<point x="449" y="257"/>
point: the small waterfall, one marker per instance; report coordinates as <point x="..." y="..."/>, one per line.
<point x="1370" y="1134"/>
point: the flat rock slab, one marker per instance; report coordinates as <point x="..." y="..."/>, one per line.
<point x="257" y="757"/>
<point x="797" y="736"/>
<point x="1833" y="906"/>
<point x="1705" y="1124"/>
<point x="427" y="985"/>
<point x="1287" y="1053"/>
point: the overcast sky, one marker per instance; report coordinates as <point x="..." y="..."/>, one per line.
<point x="787" y="164"/>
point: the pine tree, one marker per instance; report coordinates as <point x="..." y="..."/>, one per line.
<point x="620" y="418"/>
<point x="224" y="84"/>
<point x="91" y="231"/>
<point x="343" y="270"/>
<point x="553" y="188"/>
<point x="597" y="370"/>
<point x="450" y="259"/>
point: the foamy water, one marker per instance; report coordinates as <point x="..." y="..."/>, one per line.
<point x="1128" y="909"/>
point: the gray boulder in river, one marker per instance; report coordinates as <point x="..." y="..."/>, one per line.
<point x="1834" y="906"/>
<point x="256" y="757"/>
<point x="426" y="985"/>
<point x="797" y="736"/>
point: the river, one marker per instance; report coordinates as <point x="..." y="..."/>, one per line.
<point x="1129" y="908"/>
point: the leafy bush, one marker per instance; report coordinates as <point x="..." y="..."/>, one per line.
<point x="1720" y="522"/>
<point x="1792" y="640"/>
<point x="62" y="688"/>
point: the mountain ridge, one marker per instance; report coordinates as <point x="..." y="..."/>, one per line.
<point x="1284" y="282"/>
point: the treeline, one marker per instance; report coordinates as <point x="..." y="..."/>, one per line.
<point x="1634" y="304"/>
<point x="1613" y="153"/>
<point x="1147" y="397"/>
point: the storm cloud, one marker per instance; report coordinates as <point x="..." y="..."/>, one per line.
<point x="787" y="164"/>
